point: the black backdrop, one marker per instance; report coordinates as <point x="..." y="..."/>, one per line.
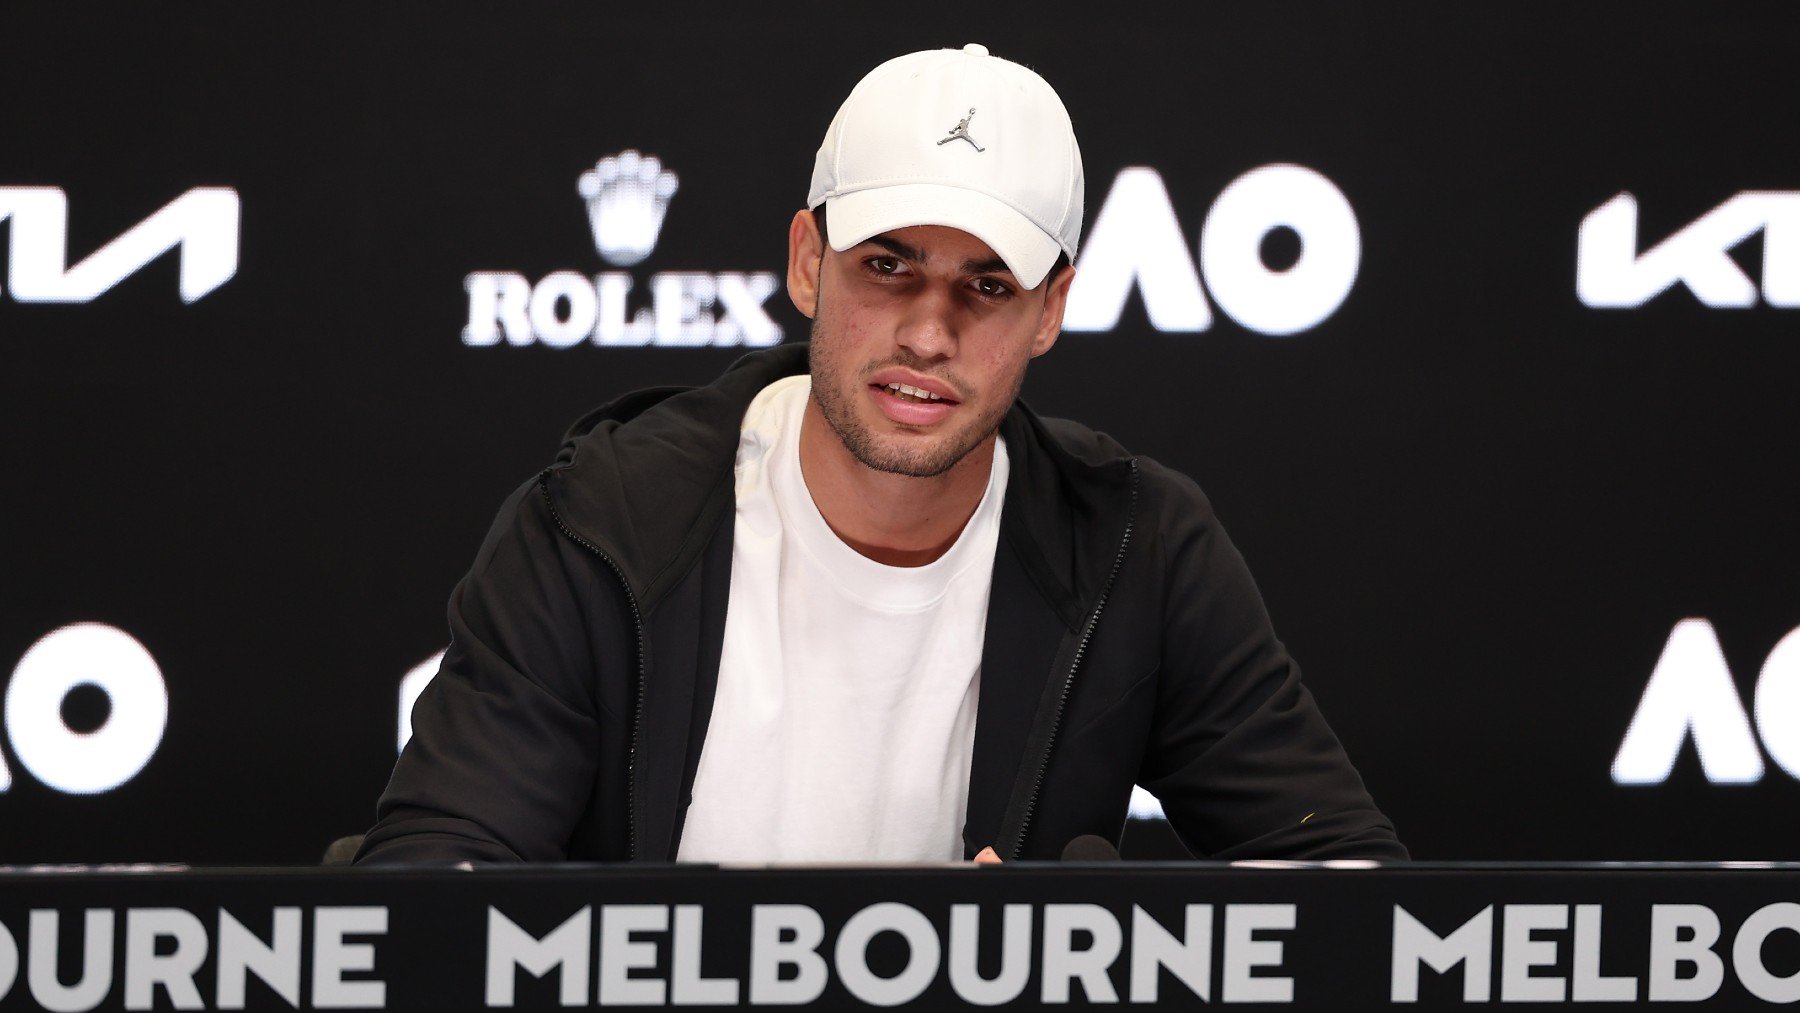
<point x="1476" y="505"/>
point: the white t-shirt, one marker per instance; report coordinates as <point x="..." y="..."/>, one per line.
<point x="845" y="714"/>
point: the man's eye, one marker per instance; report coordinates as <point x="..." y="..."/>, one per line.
<point x="884" y="265"/>
<point x="991" y="288"/>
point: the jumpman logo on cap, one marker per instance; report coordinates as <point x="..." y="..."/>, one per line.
<point x="961" y="132"/>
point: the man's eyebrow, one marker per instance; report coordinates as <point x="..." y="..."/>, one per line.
<point x="992" y="265"/>
<point x="897" y="248"/>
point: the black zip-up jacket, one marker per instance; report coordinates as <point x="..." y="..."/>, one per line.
<point x="1125" y="643"/>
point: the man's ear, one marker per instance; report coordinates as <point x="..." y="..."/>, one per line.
<point x="805" y="247"/>
<point x="1056" y="299"/>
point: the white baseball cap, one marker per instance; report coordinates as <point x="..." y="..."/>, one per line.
<point x="959" y="138"/>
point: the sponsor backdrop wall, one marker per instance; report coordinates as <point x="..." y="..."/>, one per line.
<point x="1478" y="325"/>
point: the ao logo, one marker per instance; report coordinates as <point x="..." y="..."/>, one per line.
<point x="1136" y="240"/>
<point x="203" y="222"/>
<point x="627" y="197"/>
<point x="101" y="759"/>
<point x="1691" y="692"/>
<point x="1610" y="273"/>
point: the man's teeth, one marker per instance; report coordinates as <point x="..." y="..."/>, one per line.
<point x="908" y="393"/>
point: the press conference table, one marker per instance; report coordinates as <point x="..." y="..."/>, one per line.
<point x="1332" y="936"/>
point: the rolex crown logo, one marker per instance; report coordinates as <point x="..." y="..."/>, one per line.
<point x="627" y="196"/>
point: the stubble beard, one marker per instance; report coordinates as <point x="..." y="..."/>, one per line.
<point x="929" y="461"/>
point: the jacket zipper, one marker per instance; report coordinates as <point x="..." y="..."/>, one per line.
<point x="1062" y="700"/>
<point x="637" y="706"/>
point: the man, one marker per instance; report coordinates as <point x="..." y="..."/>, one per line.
<point x="854" y="601"/>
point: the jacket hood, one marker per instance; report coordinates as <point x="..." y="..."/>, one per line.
<point x="654" y="470"/>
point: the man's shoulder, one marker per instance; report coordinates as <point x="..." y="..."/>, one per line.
<point x="1161" y="490"/>
<point x="643" y="427"/>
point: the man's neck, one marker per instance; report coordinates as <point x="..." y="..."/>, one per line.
<point x="893" y="519"/>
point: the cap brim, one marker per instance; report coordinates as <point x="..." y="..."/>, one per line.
<point x="1027" y="250"/>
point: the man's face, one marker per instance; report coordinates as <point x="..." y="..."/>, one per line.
<point x="920" y="338"/>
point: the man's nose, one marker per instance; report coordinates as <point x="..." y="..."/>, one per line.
<point x="929" y="327"/>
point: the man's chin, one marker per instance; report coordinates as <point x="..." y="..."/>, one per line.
<point x="911" y="453"/>
<point x="910" y="461"/>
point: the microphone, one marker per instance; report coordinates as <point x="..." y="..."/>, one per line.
<point x="1090" y="848"/>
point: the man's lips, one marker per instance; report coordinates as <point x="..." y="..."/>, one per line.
<point x="914" y="385"/>
<point x="911" y="399"/>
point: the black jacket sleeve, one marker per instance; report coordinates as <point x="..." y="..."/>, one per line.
<point x="505" y="738"/>
<point x="1239" y="755"/>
